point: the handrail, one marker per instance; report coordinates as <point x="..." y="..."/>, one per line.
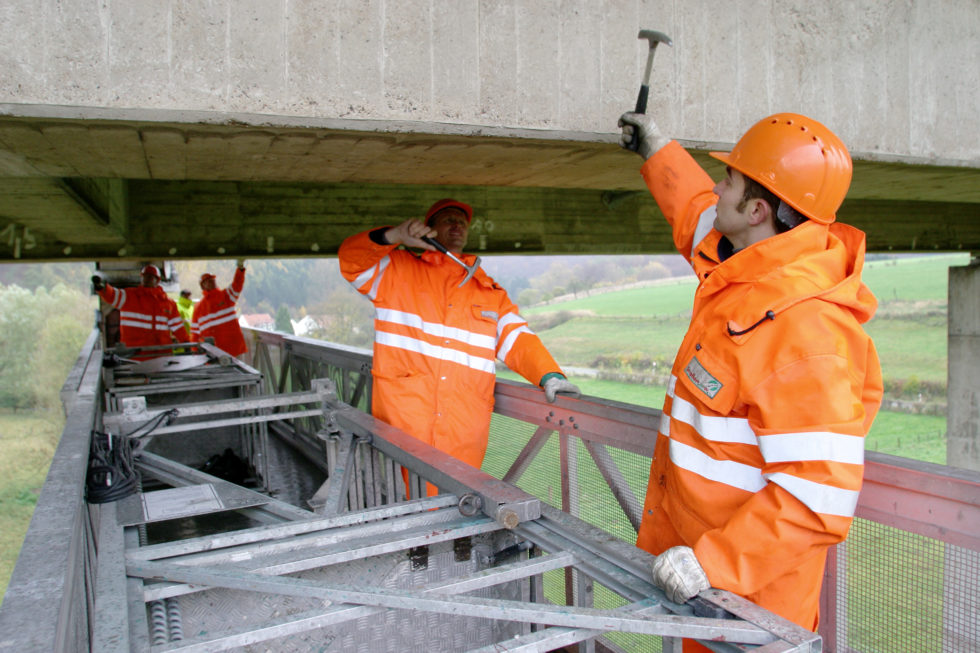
<point x="936" y="501"/>
<point x="924" y="499"/>
<point x="44" y="607"/>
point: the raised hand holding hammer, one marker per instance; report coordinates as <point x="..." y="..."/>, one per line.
<point x="415" y="233"/>
<point x="654" y="38"/>
<point x="410" y="233"/>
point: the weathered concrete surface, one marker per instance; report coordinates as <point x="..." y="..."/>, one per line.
<point x="895" y="78"/>
<point x="119" y="119"/>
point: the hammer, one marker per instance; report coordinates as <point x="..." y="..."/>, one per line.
<point x="654" y="38"/>
<point x="470" y="270"/>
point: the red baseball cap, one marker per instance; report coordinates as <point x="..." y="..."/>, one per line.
<point x="150" y="269"/>
<point x="206" y="276"/>
<point x="447" y="204"/>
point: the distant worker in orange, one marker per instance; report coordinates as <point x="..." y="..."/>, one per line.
<point x="215" y="315"/>
<point x="147" y="316"/>
<point x="435" y="342"/>
<point x="760" y="455"/>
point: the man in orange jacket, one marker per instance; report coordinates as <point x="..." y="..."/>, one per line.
<point x="215" y="315"/>
<point x="760" y="454"/>
<point x="435" y="342"/>
<point x="147" y="316"/>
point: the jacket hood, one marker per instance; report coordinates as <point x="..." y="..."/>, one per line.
<point x="812" y="261"/>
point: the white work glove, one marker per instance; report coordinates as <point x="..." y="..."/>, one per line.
<point x="559" y="384"/>
<point x="240" y="263"/>
<point x="650" y="138"/>
<point x="679" y="574"/>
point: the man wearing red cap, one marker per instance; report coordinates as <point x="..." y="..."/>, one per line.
<point x="146" y="315"/>
<point x="215" y="315"/>
<point x="436" y="342"/>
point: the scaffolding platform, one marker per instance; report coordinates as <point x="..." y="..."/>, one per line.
<point x="345" y="562"/>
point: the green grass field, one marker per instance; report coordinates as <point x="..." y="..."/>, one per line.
<point x="909" y="329"/>
<point x="27" y="443"/>
<point x="672" y="297"/>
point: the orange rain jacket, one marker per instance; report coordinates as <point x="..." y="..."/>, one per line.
<point x="215" y="316"/>
<point x="435" y="343"/>
<point x="146" y="315"/>
<point x="760" y="454"/>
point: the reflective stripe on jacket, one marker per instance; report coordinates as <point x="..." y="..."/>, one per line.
<point x="147" y="316"/>
<point x="215" y="316"/>
<point x="435" y="343"/>
<point x="760" y="454"/>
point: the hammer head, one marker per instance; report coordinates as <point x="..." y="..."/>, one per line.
<point x="470" y="271"/>
<point x="654" y="37"/>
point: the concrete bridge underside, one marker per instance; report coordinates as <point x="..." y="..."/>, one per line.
<point x="186" y="129"/>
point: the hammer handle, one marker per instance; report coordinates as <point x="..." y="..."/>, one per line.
<point x="435" y="243"/>
<point x="442" y="248"/>
<point x="641" y="99"/>
<point x="641" y="107"/>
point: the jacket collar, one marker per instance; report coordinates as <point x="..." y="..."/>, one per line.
<point x="809" y="261"/>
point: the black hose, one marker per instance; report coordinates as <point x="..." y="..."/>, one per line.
<point x="111" y="472"/>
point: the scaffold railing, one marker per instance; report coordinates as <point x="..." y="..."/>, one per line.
<point x="908" y="576"/>
<point x="906" y="579"/>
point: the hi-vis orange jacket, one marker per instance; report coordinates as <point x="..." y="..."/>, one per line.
<point x="215" y="316"/>
<point x="435" y="344"/>
<point x="760" y="454"/>
<point x="146" y="315"/>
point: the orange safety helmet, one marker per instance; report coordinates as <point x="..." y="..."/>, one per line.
<point x="446" y="204"/>
<point x="151" y="270"/>
<point x="802" y="162"/>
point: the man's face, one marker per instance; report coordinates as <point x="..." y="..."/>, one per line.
<point x="452" y="229"/>
<point x="733" y="217"/>
<point x="149" y="281"/>
<point x="207" y="284"/>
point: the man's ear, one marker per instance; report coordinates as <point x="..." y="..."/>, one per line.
<point x="760" y="212"/>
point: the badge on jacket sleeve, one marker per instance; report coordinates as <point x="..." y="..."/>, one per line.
<point x="703" y="379"/>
